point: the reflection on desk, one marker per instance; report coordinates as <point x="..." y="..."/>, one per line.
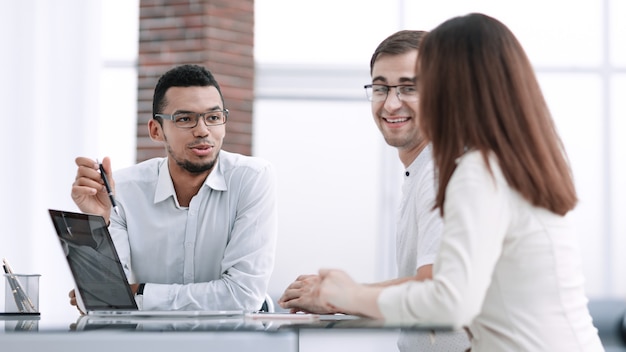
<point x="251" y="332"/>
<point x="260" y="321"/>
<point x="247" y="322"/>
<point x="20" y="322"/>
<point x="86" y="323"/>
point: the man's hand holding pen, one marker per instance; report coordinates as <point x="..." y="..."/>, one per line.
<point x="89" y="190"/>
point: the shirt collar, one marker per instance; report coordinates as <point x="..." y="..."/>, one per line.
<point x="165" y="186"/>
<point x="216" y="179"/>
<point x="423" y="157"/>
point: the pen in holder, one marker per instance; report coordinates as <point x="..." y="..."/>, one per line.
<point x="21" y="292"/>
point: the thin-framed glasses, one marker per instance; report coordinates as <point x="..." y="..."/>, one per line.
<point x="379" y="92"/>
<point x="190" y="119"/>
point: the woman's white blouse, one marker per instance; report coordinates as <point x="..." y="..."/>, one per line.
<point x="509" y="271"/>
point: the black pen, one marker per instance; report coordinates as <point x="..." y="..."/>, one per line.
<point x="108" y="188"/>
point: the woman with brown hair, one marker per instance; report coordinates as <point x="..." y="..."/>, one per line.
<point x="509" y="268"/>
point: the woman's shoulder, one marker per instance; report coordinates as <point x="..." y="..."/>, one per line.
<point x="476" y="165"/>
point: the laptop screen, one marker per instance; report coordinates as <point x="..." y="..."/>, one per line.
<point x="93" y="261"/>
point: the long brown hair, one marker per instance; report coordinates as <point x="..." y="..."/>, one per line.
<point x="478" y="91"/>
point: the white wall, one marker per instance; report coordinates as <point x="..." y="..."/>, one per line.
<point x="63" y="94"/>
<point x="580" y="59"/>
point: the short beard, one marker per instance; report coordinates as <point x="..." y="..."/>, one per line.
<point x="191" y="167"/>
<point x="196" y="168"/>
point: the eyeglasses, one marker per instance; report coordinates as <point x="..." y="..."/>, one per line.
<point x="190" y="119"/>
<point x="379" y="92"/>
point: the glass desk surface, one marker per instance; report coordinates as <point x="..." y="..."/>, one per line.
<point x="266" y="322"/>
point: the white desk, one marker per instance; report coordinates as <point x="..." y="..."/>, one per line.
<point x="189" y="335"/>
<point x="119" y="341"/>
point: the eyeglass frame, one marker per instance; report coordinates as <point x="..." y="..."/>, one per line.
<point x="401" y="96"/>
<point x="197" y="117"/>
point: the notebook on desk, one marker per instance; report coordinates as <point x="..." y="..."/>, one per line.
<point x="101" y="285"/>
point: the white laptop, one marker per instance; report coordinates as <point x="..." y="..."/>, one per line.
<point x="101" y="285"/>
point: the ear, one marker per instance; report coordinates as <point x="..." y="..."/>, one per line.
<point x="156" y="130"/>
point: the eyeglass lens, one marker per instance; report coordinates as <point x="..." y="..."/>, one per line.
<point x="379" y="92"/>
<point x="190" y="119"/>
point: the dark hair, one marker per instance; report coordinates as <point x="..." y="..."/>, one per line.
<point x="398" y="43"/>
<point x="478" y="91"/>
<point x="181" y="76"/>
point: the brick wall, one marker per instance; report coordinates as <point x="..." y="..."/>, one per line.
<point x="218" y="34"/>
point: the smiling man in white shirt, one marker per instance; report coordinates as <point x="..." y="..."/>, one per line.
<point x="196" y="230"/>
<point x="394" y="102"/>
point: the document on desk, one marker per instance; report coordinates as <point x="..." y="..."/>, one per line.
<point x="339" y="317"/>
<point x="298" y="317"/>
<point x="283" y="317"/>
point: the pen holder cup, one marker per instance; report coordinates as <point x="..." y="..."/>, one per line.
<point x="21" y="293"/>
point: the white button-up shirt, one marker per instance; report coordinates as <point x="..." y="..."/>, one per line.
<point x="216" y="254"/>
<point x="418" y="236"/>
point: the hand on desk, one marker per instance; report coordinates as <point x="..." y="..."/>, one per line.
<point x="88" y="190"/>
<point x="339" y="291"/>
<point x="302" y="295"/>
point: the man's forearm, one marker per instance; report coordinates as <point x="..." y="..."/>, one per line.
<point x="424" y="272"/>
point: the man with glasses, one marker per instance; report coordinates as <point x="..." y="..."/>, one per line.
<point x="394" y="99"/>
<point x="197" y="229"/>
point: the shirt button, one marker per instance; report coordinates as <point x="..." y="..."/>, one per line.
<point x="407" y="173"/>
